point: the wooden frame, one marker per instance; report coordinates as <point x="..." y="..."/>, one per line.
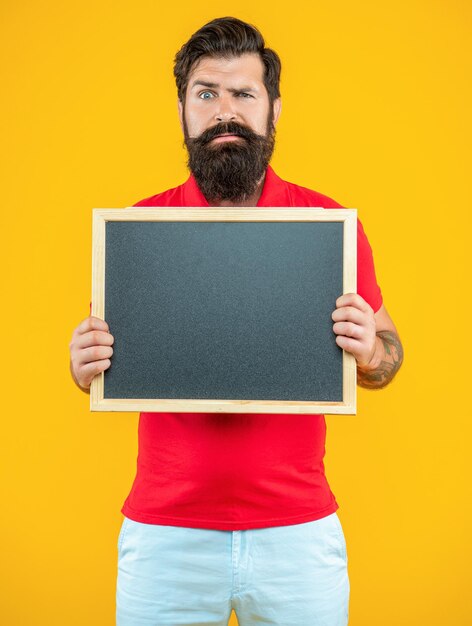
<point x="194" y="214"/>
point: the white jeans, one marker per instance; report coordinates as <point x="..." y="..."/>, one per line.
<point x="284" y="575"/>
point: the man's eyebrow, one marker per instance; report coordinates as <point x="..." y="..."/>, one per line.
<point x="205" y="83"/>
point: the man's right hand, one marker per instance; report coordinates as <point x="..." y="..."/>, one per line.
<point x="90" y="351"/>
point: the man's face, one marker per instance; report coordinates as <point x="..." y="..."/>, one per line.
<point x="229" y="125"/>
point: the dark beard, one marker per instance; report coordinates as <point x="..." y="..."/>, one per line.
<point x="230" y="170"/>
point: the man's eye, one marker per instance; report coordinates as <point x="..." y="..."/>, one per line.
<point x="205" y="93"/>
<point x="246" y="95"/>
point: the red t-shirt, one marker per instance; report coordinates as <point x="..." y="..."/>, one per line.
<point x="237" y="471"/>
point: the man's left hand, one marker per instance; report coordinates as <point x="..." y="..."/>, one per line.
<point x="355" y="328"/>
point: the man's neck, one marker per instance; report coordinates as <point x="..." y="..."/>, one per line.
<point x="251" y="200"/>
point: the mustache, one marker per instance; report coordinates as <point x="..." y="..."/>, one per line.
<point x="224" y="128"/>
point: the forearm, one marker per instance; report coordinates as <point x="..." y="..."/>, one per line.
<point x="385" y="363"/>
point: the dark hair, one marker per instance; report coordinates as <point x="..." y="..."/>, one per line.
<point x="226" y="37"/>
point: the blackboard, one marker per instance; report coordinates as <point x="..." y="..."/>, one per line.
<point x="223" y="310"/>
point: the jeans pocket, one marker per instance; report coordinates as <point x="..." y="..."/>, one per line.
<point x="122" y="534"/>
<point x="340" y="534"/>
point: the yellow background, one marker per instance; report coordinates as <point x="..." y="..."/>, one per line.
<point x="376" y="109"/>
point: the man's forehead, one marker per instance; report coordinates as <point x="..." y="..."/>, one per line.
<point x="219" y="70"/>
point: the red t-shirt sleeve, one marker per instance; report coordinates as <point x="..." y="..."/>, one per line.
<point x="367" y="286"/>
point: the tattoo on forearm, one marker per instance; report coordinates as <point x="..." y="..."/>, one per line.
<point x="380" y="377"/>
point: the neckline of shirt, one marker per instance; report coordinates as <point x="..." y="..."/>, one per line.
<point x="274" y="192"/>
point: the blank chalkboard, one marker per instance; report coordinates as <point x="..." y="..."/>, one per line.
<point x="224" y="310"/>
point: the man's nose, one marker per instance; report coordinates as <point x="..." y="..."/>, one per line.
<point x="226" y="111"/>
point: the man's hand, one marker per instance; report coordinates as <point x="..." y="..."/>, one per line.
<point x="90" y="351"/>
<point x="355" y="327"/>
<point x="371" y="337"/>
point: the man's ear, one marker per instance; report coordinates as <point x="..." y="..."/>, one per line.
<point x="277" y="108"/>
<point x="180" y="109"/>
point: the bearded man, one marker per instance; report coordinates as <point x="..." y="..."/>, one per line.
<point x="234" y="511"/>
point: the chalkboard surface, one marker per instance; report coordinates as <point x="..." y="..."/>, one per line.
<point x="224" y="311"/>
